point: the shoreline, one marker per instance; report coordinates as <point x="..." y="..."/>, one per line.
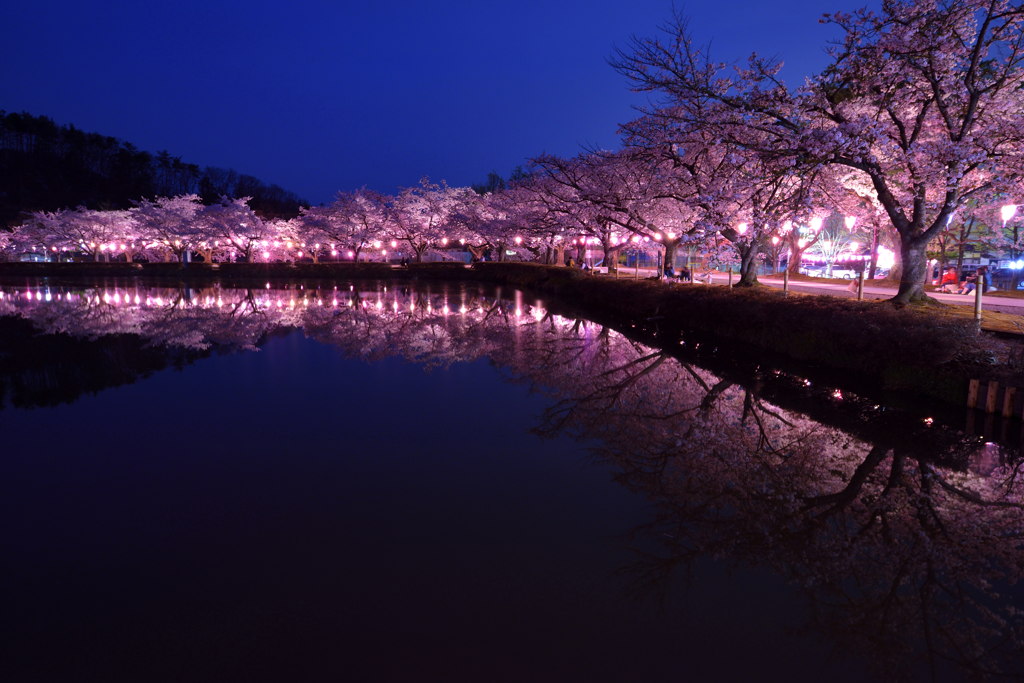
<point x="906" y="352"/>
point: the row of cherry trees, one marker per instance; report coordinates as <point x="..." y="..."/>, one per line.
<point x="913" y="131"/>
<point x="531" y="218"/>
<point x="176" y="228"/>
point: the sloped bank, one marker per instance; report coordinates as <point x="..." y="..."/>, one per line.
<point x="896" y="350"/>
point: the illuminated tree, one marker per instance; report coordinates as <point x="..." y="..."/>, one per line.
<point x="920" y="99"/>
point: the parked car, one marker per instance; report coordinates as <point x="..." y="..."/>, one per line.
<point x="844" y="273"/>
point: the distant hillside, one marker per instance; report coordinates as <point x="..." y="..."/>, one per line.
<point x="44" y="166"/>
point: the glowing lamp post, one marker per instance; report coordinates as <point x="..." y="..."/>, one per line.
<point x="1007" y="213"/>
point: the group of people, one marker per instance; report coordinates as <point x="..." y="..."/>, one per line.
<point x="683" y="275"/>
<point x="951" y="283"/>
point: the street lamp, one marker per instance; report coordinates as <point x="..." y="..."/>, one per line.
<point x="850" y="222"/>
<point x="1007" y="212"/>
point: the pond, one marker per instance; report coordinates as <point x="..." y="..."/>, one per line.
<point x="378" y="481"/>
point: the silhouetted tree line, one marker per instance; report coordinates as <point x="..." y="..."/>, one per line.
<point x="47" y="167"/>
<point x="50" y="369"/>
<point x="495" y="183"/>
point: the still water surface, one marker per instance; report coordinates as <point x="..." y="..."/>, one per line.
<point x="382" y="483"/>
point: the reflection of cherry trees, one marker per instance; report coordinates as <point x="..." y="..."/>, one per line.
<point x="896" y="554"/>
<point x="902" y="541"/>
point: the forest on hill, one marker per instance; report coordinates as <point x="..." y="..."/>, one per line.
<point x="45" y="167"/>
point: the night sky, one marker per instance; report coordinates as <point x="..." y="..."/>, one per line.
<point x="325" y="96"/>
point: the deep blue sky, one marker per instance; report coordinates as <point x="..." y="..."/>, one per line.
<point x="321" y="96"/>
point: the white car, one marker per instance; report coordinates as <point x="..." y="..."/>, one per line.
<point x="844" y="273"/>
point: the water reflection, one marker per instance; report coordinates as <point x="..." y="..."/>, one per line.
<point x="904" y="535"/>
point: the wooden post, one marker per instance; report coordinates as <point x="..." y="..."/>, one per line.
<point x="972" y="393"/>
<point x="730" y="276"/>
<point x="785" y="281"/>
<point x="860" y="286"/>
<point x="1008" y="397"/>
<point x="979" y="285"/>
<point x="990" y="398"/>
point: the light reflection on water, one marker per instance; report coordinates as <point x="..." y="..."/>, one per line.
<point x="899" y="546"/>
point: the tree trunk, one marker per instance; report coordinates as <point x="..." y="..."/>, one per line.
<point x="796" y="257"/>
<point x="671" y="247"/>
<point x="915" y="269"/>
<point x="748" y="265"/>
<point x="611" y="258"/>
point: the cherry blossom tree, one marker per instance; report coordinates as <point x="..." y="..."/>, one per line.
<point x="232" y="228"/>
<point x="349" y="224"/>
<point x="423" y="216"/>
<point x="617" y="196"/>
<point x="171" y="223"/>
<point x="96" y="233"/>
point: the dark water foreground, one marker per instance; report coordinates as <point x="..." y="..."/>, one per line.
<point x="453" y="483"/>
